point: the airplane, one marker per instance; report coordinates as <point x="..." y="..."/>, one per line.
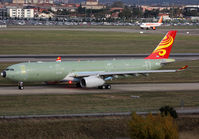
<point x="152" y="25"/>
<point x="92" y="74"/>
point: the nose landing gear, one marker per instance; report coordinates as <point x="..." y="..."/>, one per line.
<point x="20" y="86"/>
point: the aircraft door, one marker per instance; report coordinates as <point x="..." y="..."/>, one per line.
<point x="109" y="66"/>
<point x="23" y="72"/>
<point x="148" y="65"/>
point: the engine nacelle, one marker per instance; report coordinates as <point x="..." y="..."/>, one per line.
<point x="92" y="81"/>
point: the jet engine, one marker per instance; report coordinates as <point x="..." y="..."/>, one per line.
<point x="92" y="81"/>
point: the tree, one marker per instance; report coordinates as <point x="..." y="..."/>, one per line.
<point x="175" y="12"/>
<point x="167" y="110"/>
<point x="118" y="4"/>
<point x="126" y="13"/>
<point x="152" y="127"/>
<point x="81" y="10"/>
<point x="137" y="12"/>
<point x="151" y="13"/>
<point x="63" y="12"/>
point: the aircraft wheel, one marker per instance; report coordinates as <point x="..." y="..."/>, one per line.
<point x="20" y="86"/>
<point x="78" y="85"/>
<point x="103" y="87"/>
<point x="108" y="86"/>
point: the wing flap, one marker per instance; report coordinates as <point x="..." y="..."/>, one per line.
<point x="144" y="72"/>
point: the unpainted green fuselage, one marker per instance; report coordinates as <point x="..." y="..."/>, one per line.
<point x="58" y="71"/>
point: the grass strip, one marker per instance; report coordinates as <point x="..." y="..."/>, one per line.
<point x="84" y="128"/>
<point x="95" y="103"/>
<point x="85" y="42"/>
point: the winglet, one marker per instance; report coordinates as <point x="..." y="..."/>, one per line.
<point x="163" y="50"/>
<point x="58" y="59"/>
<point x="183" y="68"/>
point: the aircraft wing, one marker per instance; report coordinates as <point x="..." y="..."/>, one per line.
<point x="102" y="73"/>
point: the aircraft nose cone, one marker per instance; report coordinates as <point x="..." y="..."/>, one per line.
<point x="3" y="74"/>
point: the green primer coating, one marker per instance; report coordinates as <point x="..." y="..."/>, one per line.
<point x="57" y="71"/>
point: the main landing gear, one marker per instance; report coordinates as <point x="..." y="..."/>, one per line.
<point x="106" y="86"/>
<point x="20" y="86"/>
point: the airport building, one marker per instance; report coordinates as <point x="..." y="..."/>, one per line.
<point x="3" y="13"/>
<point x="20" y="13"/>
<point x="192" y="8"/>
<point x="165" y="16"/>
<point x="32" y="1"/>
<point x="192" y="12"/>
<point x="18" y="1"/>
<point x="92" y="4"/>
<point x="38" y="1"/>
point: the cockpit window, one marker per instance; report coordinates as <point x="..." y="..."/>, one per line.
<point x="9" y="69"/>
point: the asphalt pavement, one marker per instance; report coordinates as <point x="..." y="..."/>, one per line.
<point x="96" y="29"/>
<point x="116" y="88"/>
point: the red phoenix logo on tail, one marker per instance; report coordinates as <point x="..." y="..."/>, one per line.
<point x="58" y="59"/>
<point x="163" y="49"/>
<point x="165" y="43"/>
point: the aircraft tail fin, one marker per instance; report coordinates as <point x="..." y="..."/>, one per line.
<point x="163" y="49"/>
<point x="58" y="59"/>
<point x="160" y="20"/>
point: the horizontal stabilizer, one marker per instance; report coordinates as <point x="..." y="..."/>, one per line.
<point x="183" y="68"/>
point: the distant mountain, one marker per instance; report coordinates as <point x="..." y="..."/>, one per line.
<point x="148" y="2"/>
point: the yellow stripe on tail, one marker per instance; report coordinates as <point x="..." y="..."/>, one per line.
<point x="162" y="51"/>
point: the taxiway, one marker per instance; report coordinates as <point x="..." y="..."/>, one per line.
<point x="96" y="29"/>
<point x="116" y="88"/>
